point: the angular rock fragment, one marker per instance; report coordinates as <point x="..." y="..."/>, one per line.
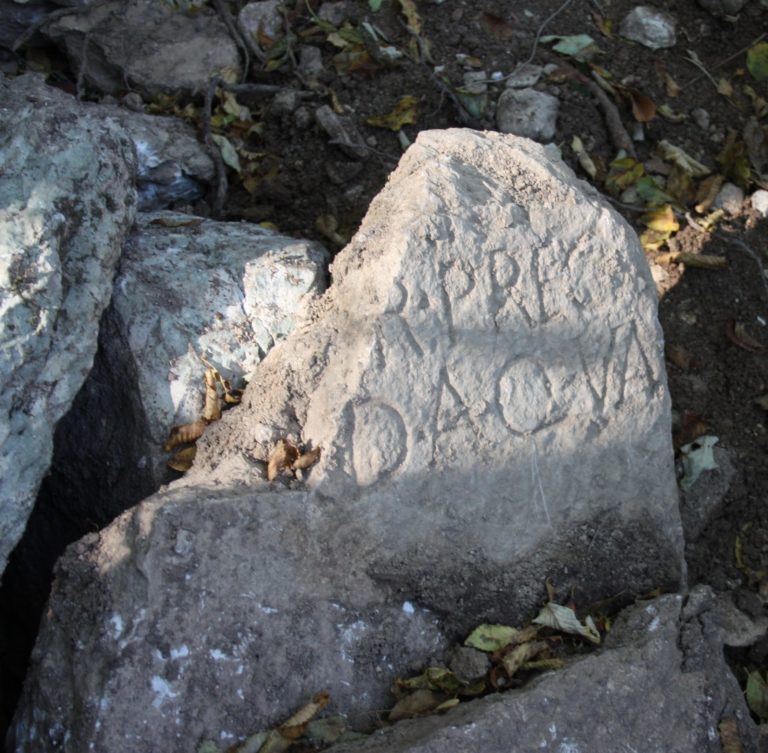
<point x="650" y="27"/>
<point x="146" y="46"/>
<point x="661" y="685"/>
<point x="528" y="113"/>
<point x="485" y="377"/>
<point x="67" y="201"/>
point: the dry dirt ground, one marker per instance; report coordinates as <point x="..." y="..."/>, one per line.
<point x="306" y="185"/>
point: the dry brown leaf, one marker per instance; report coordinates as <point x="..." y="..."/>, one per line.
<point x="283" y="456"/>
<point x="671" y="87"/>
<point x="308" y="459"/>
<point x="212" y="407"/>
<point x="184" y="434"/>
<point x="680" y="357"/>
<point x="643" y="107"/>
<point x="522" y="654"/>
<point x="605" y="25"/>
<point x="183" y="459"/>
<point x="296" y="725"/>
<point x="737" y="333"/>
<point x="729" y="736"/>
<point x="418" y="703"/>
<point x="497" y="26"/>
<point x="707" y="192"/>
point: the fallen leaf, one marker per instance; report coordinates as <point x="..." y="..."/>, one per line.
<point x="759" y="104"/>
<point x="282" y="456"/>
<point x="697" y="457"/>
<point x="228" y="152"/>
<point x="446" y="705"/>
<point x="418" y="703"/>
<point x="671" y="86"/>
<point x="737" y="333"/>
<point x="651" y="193"/>
<point x="757" y="695"/>
<point x="661" y="219"/>
<point x="182" y="461"/>
<point x="564" y="619"/>
<point x="519" y="655"/>
<point x="184" y="434"/>
<point x="374" y="5"/>
<point x="585" y="160"/>
<point x="578" y="46"/>
<point x="680" y="357"/>
<point x="757" y="61"/>
<point x="326" y="731"/>
<point x="497" y="26"/>
<point x="403" y="113"/>
<point x="433" y="678"/>
<point x="707" y="192"/>
<point x="624" y="171"/>
<point x="490" y="638"/>
<point x="412" y="18"/>
<point x="672" y="115"/>
<point x="692" y="426"/>
<point x="734" y="160"/>
<point x="295" y="725"/>
<point x="605" y="25"/>
<point x="677" y="156"/>
<point x="762" y="401"/>
<point x="724" y="87"/>
<point x="643" y="107"/>
<point x="308" y="459"/>
<point x="730" y="740"/>
<point x="212" y="407"/>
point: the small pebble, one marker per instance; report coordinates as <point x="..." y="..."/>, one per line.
<point x="759" y="200"/>
<point x="650" y="27"/>
<point x="701" y="117"/>
<point x="730" y="198"/>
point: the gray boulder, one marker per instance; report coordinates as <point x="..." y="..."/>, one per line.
<point x="485" y="378"/>
<point x="661" y="685"/>
<point x="146" y="46"/>
<point x="67" y="201"/>
<point x="189" y="288"/>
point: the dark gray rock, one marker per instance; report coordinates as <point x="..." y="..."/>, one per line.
<point x="146" y="46"/>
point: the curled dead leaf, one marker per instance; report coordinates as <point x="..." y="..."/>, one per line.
<point x="737" y="333"/>
<point x="283" y="456"/>
<point x="184" y="434"/>
<point x="730" y="740"/>
<point x="418" y="703"/>
<point x="680" y="357"/>
<point x="296" y="725"/>
<point x="182" y="461"/>
<point x="308" y="459"/>
<point x="212" y="407"/>
<point x="497" y="26"/>
<point x="519" y="655"/>
<point x="707" y="192"/>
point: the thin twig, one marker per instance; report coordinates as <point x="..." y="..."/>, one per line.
<point x="722" y="62"/>
<point x="234" y="32"/>
<point x="535" y="46"/>
<point x="616" y="130"/>
<point x="220" y="193"/>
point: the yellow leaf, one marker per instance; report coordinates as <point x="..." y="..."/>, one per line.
<point x="661" y="219"/>
<point x="404" y="113"/>
<point x="724" y="87"/>
<point x="411" y="16"/>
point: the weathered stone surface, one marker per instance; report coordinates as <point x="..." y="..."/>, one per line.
<point x="650" y="27"/>
<point x="67" y="200"/>
<point x="485" y="376"/>
<point x="223" y="291"/>
<point x="528" y="113"/>
<point x="147" y="46"/>
<point x="172" y="165"/>
<point x="661" y="685"/>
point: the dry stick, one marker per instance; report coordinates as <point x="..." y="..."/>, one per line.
<point x="722" y="62"/>
<point x="220" y="193"/>
<point x="234" y="32"/>
<point x="616" y="130"/>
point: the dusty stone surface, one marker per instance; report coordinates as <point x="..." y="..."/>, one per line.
<point x="172" y="165"/>
<point x="67" y="200"/>
<point x="485" y="376"/>
<point x="661" y="685"/>
<point x="730" y="198"/>
<point x="650" y="27"/>
<point x="759" y="201"/>
<point x="170" y="52"/>
<point x="224" y="291"/>
<point x="528" y="113"/>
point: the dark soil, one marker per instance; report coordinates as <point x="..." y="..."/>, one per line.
<point x="714" y="379"/>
